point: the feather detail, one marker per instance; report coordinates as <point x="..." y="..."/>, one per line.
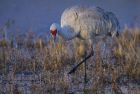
<point x="67" y="33"/>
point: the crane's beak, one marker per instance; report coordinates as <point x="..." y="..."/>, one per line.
<point x="54" y="32"/>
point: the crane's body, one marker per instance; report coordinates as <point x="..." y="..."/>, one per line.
<point x="85" y="23"/>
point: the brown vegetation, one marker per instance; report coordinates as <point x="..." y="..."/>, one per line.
<point x="110" y="70"/>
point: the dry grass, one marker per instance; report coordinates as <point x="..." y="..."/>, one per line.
<point x="128" y="52"/>
<point x="108" y="71"/>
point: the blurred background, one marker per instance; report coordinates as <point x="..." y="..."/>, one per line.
<point x="39" y="14"/>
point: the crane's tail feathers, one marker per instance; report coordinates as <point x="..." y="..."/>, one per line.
<point x="117" y="35"/>
<point x="113" y="34"/>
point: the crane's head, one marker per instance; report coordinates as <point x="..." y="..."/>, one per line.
<point x="54" y="30"/>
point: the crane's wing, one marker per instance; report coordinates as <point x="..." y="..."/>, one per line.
<point x="89" y="21"/>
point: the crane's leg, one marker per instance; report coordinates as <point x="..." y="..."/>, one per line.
<point x="85" y="70"/>
<point x="85" y="65"/>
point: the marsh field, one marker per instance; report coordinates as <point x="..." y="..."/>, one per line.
<point x="30" y="65"/>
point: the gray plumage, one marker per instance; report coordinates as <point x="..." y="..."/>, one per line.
<point x="87" y="22"/>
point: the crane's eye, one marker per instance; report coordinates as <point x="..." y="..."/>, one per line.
<point x="54" y="32"/>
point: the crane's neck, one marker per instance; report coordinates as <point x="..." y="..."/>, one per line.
<point x="67" y="33"/>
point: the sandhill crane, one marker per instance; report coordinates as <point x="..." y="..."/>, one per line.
<point x="85" y="23"/>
